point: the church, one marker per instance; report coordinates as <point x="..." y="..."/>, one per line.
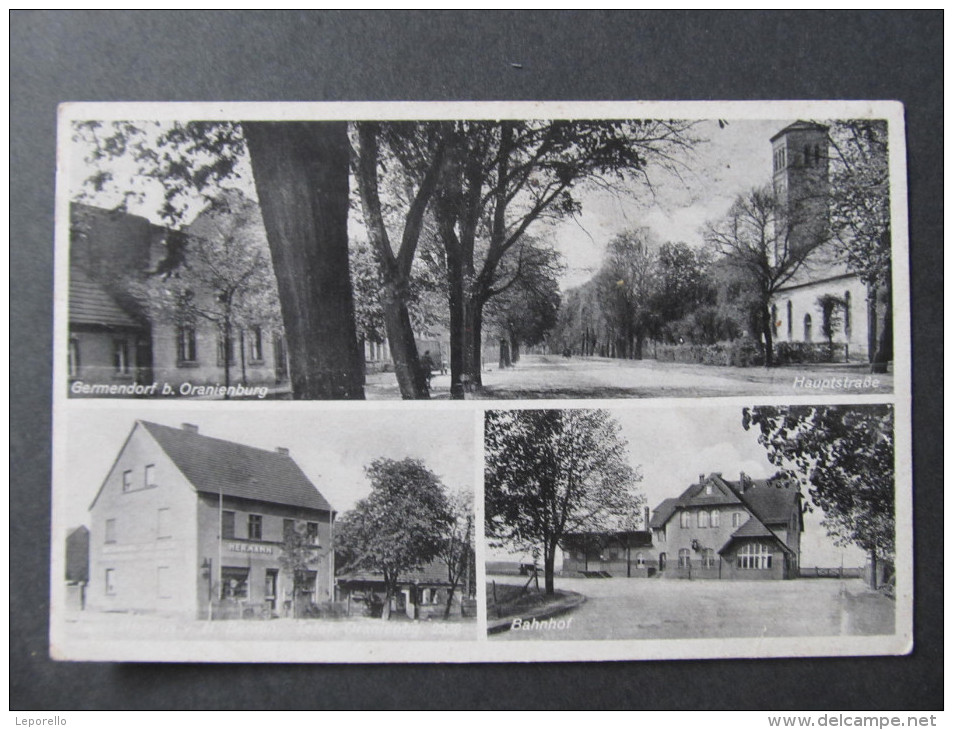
<point x="801" y="182"/>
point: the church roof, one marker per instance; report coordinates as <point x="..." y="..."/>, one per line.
<point x="216" y="466"/>
<point x="800" y="126"/>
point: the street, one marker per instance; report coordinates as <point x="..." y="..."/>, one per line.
<point x="552" y="376"/>
<point x="620" y="608"/>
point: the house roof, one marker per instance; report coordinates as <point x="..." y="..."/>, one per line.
<point x="770" y="501"/>
<point x="235" y="470"/>
<point x="629" y="538"/>
<point x="91" y="304"/>
<point x="665" y="510"/>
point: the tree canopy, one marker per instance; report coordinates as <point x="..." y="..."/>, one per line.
<point x="844" y="456"/>
<point x="550" y="472"/>
<point x="401" y="526"/>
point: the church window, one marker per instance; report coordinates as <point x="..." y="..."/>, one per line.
<point x="807" y="327"/>
<point x="847" y="322"/>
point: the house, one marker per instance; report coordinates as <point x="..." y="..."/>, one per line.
<point x="192" y="525"/>
<point x="116" y="339"/>
<point x="801" y="184"/>
<point x="749" y="529"/>
<point x="621" y="553"/>
<point x="77" y="567"/>
<point x="744" y="529"/>
<point x="421" y="593"/>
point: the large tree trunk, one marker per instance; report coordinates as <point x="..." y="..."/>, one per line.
<point x="514" y="349"/>
<point x="403" y="346"/>
<point x="301" y="175"/>
<point x="394" y="270"/>
<point x="457" y="328"/>
<point x="505" y="361"/>
<point x="884" y="353"/>
<point x="768" y="340"/>
<point x="549" y="569"/>
<point x="474" y="341"/>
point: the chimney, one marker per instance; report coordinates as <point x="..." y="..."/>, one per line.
<point x="701" y="478"/>
<point x="282" y="450"/>
<point x="742" y="482"/>
<point x="647" y="511"/>
<point x="190" y="428"/>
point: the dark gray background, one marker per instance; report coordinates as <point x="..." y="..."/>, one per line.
<point x="176" y="55"/>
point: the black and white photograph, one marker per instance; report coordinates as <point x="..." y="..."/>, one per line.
<point x="721" y="522"/>
<point x="277" y="528"/>
<point x="418" y="253"/>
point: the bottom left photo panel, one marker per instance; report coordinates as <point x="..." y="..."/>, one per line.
<point x="247" y="534"/>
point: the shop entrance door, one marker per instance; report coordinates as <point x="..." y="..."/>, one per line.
<point x="271" y="589"/>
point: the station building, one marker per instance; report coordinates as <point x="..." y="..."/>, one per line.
<point x="749" y="529"/>
<point x="195" y="526"/>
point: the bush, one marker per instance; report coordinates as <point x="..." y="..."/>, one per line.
<point x="740" y="353"/>
<point x="788" y="353"/>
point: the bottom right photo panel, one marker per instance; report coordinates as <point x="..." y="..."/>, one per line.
<point x="695" y="522"/>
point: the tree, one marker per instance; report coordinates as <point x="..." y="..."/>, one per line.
<point x="301" y="174"/>
<point x="300" y="170"/>
<point x="501" y="177"/>
<point x="526" y="307"/>
<point x="627" y="290"/>
<point x="401" y="526"/>
<point x="551" y="472"/>
<point x="683" y="284"/>
<point x="458" y="551"/>
<point x="218" y="272"/>
<point x="418" y="150"/>
<point x="831" y="308"/>
<point x="844" y="456"/>
<point x="860" y="216"/>
<point x="768" y="244"/>
<point x="298" y="554"/>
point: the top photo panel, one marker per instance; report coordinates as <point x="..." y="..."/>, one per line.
<point x="290" y="251"/>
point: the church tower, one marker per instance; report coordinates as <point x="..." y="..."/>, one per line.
<point x="801" y="181"/>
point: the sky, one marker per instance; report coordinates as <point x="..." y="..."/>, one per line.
<point x="671" y="447"/>
<point x="727" y="161"/>
<point x="331" y="447"/>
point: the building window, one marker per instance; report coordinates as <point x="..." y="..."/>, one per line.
<point x="287" y="528"/>
<point x="790" y="320"/>
<point x="754" y="556"/>
<point x="127" y="480"/>
<point x="228" y="525"/>
<point x="639" y="560"/>
<point x="120" y="357"/>
<point x="683" y="519"/>
<point x="807" y="327"/>
<point x="736" y="518"/>
<point x="313" y="537"/>
<point x="660" y="535"/>
<point x="684" y="558"/>
<point x="703" y="519"/>
<point x="164" y="525"/>
<point x="226" y="348"/>
<point x="254" y="346"/>
<point x="110" y="581"/>
<point x="163" y="584"/>
<point x="847" y="314"/>
<point x="150" y="480"/>
<point x="708" y="558"/>
<point x="185" y="344"/>
<point x="715" y="518"/>
<point x="281" y="361"/>
<point x="254" y="527"/>
<point x="111" y="530"/>
<point x="73" y="359"/>
<point x="234" y="584"/>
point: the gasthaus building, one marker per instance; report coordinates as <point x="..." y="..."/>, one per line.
<point x="192" y="525"/>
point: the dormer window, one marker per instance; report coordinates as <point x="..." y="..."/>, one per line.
<point x="708" y="489"/>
